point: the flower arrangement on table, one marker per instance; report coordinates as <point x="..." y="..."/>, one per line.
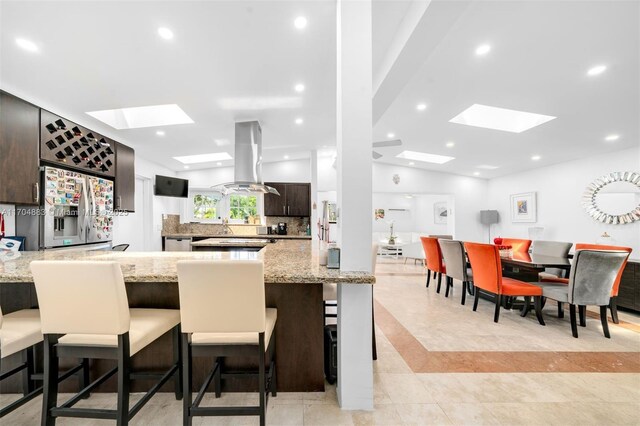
<point x="505" y="250"/>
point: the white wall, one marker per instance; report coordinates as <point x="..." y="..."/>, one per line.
<point x="158" y="205"/>
<point x="9" y="219"/>
<point x="469" y="194"/>
<point x="424" y="221"/>
<point x="559" y="191"/>
<point x="279" y="171"/>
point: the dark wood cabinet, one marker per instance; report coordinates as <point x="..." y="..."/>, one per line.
<point x="19" y="151"/>
<point x="299" y="199"/>
<point x="629" y="292"/>
<point x="294" y="200"/>
<point x="70" y="145"/>
<point x="125" y="185"/>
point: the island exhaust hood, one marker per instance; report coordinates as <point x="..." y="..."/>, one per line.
<point x="248" y="164"/>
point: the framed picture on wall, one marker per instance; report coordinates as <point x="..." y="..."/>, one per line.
<point x="440" y="213"/>
<point x="523" y="207"/>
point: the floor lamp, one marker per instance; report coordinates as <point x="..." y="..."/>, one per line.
<point x="489" y="217"/>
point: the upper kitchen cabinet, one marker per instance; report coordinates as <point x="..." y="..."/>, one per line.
<point x="19" y="155"/>
<point x="65" y="143"/>
<point x="294" y="200"/>
<point x="125" y="185"/>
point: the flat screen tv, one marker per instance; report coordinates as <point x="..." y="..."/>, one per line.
<point x="171" y="187"/>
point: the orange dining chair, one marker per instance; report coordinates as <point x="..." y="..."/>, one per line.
<point x="487" y="275"/>
<point x="435" y="263"/>
<point x="517" y="245"/>
<point x="614" y="291"/>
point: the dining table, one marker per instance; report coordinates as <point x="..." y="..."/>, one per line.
<point x="526" y="267"/>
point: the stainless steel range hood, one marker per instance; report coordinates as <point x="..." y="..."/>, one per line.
<point x="248" y="163"/>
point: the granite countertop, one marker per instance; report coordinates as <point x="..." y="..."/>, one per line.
<point x="227" y="236"/>
<point x="286" y="261"/>
<point x="232" y="242"/>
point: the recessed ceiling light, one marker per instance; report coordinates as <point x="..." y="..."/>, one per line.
<point x="165" y="33"/>
<point x="509" y="120"/>
<point x="160" y="132"/>
<point x="450" y="144"/>
<point x="219" y="163"/>
<point x="148" y="116"/>
<point x="476" y="173"/>
<point x="536" y="157"/>
<point x="488" y="167"/>
<point x="411" y="163"/>
<point x="408" y="196"/>
<point x="299" y="87"/>
<point x="423" y="156"/>
<point x="483" y="49"/>
<point x="299" y="121"/>
<point x="598" y="69"/>
<point x="612" y="138"/>
<point x="222" y="142"/>
<point x="391" y="135"/>
<point x="203" y="158"/>
<point x="186" y="167"/>
<point x="286" y="157"/>
<point x="421" y="107"/>
<point x="300" y="22"/>
<point x="27" y="44"/>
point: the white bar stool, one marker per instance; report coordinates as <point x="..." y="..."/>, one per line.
<point x="85" y="314"/>
<point x="19" y="332"/>
<point x="222" y="310"/>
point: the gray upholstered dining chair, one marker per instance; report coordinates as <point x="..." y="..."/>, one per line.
<point x="456" y="263"/>
<point x="592" y="276"/>
<point x="550" y="248"/>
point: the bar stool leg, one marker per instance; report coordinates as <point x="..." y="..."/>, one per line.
<point x="177" y="359"/>
<point x="186" y="380"/>
<point x="50" y="385"/>
<point x="27" y="372"/>
<point x="261" y="379"/>
<point x="124" y="365"/>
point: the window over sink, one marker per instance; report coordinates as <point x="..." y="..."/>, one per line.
<point x="211" y="207"/>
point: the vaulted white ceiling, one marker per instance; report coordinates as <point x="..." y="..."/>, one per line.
<point x="228" y="57"/>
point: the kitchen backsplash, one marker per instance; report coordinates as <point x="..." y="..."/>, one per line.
<point x="171" y="225"/>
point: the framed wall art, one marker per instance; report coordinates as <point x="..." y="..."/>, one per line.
<point x="523" y="207"/>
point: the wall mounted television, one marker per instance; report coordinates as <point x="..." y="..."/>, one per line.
<point x="167" y="186"/>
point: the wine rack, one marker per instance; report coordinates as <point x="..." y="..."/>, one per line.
<point x="66" y="143"/>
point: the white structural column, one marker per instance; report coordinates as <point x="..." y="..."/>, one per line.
<point x="314" y="195"/>
<point x="354" y="136"/>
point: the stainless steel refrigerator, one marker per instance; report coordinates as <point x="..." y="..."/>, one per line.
<point x="78" y="209"/>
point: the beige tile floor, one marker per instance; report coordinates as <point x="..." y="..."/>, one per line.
<point x="403" y="397"/>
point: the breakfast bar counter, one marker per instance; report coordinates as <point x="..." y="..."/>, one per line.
<point x="293" y="283"/>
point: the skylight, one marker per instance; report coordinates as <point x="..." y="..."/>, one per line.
<point x="508" y="120"/>
<point x="423" y="156"/>
<point x="147" y="116"/>
<point x="204" y="158"/>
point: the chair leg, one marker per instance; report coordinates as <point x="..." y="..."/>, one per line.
<point x="574" y="324"/>
<point x="434" y="274"/>
<point x="274" y="375"/>
<point x="475" y="300"/>
<point x="537" y="304"/>
<point x="582" y="314"/>
<point x="186" y="380"/>
<point x="496" y="313"/>
<point x="447" y="283"/>
<point x="124" y="365"/>
<point x="261" y="380"/>
<point x="471" y="288"/>
<point x="604" y="321"/>
<point x="374" y="348"/>
<point x="177" y="359"/>
<point x="50" y="385"/>
<point x="525" y="308"/>
<point x="613" y="305"/>
<point x="560" y="310"/>
<point x="84" y="379"/>
<point x="428" y="278"/>
<point x="27" y="372"/>
<point x="439" y="283"/>
<point x="463" y="298"/>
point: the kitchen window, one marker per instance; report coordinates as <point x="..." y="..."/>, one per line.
<point x="205" y="206"/>
<point x="211" y="207"/>
<point x="242" y="206"/>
